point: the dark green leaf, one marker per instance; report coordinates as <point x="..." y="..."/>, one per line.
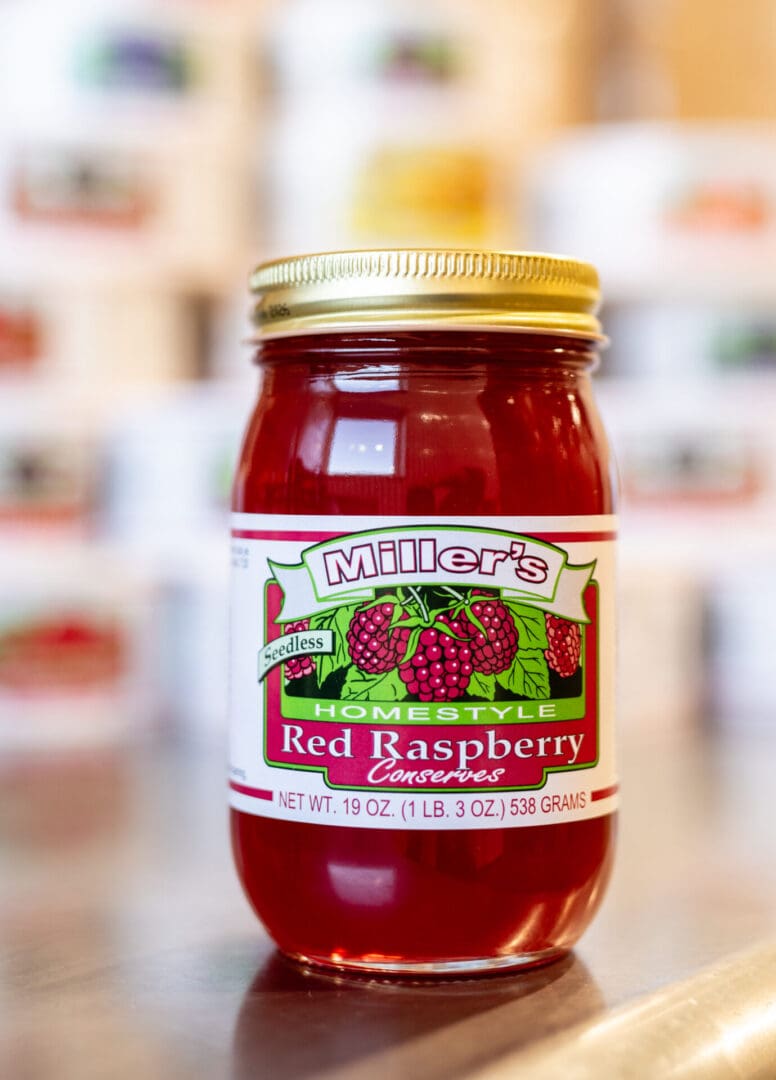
<point x="324" y="667"/>
<point x="530" y="623"/>
<point x="528" y="676"/>
<point x="341" y="626"/>
<point x="482" y="685"/>
<point x="359" y="686"/>
<point x="338" y="621"/>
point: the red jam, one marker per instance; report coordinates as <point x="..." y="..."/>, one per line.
<point x="486" y="425"/>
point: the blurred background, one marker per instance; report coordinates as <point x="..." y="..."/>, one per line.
<point x="150" y="153"/>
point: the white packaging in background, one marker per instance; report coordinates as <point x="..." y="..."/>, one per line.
<point x="371" y="172"/>
<point x="124" y="140"/>
<point x="663" y="210"/>
<point x="703" y="452"/>
<point x="76" y="647"/>
<point x="660" y="641"/>
<point x="168" y="465"/>
<point x="48" y="477"/>
<point x="193" y="630"/>
<point x="697" y="339"/>
<point x="174" y="215"/>
<point x="91" y="339"/>
<point x="345" y="47"/>
<point x="381" y="133"/>
<point x="741" y="651"/>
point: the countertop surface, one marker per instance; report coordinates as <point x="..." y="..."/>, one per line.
<point x="127" y="949"/>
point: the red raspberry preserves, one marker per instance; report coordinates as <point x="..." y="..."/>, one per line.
<point x="423" y="500"/>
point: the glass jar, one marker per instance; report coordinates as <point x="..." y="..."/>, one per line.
<point x="422" y="774"/>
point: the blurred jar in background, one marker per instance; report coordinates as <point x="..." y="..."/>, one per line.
<point x="90" y="341"/>
<point x="378" y="131"/>
<point x="168" y="465"/>
<point x="74" y="644"/>
<point x="47" y="465"/>
<point x="402" y="123"/>
<point x="122" y="140"/>
<point x="667" y="211"/>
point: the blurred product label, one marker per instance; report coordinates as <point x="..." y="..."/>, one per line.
<point x="719" y="207"/>
<point x="665" y="211"/>
<point x="707" y="467"/>
<point x="67" y="187"/>
<point x="57" y="653"/>
<point x="693" y="339"/>
<point x="422" y="673"/>
<point x="135" y="60"/>
<point x="743" y="343"/>
<point x="349" y="45"/>
<point x="21" y="335"/>
<point x="75" y="646"/>
<point x="407" y="57"/>
<point x="383" y="134"/>
<point x="435" y="193"/>
<point x="44" y="481"/>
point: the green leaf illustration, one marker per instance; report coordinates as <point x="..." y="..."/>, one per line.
<point x="325" y="666"/>
<point x="528" y="677"/>
<point x="338" y="620"/>
<point x="531" y="627"/>
<point x="482" y="685"/>
<point x="359" y="686"/>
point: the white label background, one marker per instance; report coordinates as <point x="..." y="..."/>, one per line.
<point x="297" y="795"/>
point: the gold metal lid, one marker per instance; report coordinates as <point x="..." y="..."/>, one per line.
<point x="423" y="288"/>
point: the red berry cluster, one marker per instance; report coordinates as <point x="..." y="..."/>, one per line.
<point x="441" y="665"/>
<point x="372" y="645"/>
<point x="495" y="646"/>
<point x="564" y="640"/>
<point x="298" y="666"/>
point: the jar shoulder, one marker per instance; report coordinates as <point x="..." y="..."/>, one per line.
<point x="441" y="442"/>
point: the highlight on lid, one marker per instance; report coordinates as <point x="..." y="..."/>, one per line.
<point x="416" y="288"/>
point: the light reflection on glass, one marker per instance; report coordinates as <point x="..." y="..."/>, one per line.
<point x="368" y="380"/>
<point x="363" y="886"/>
<point x="363" y="448"/>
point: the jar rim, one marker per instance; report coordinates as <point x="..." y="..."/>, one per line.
<point x="425" y="288"/>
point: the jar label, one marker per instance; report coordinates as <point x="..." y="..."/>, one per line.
<point x="440" y="673"/>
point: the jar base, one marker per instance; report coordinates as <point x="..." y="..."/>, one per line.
<point x="429" y="969"/>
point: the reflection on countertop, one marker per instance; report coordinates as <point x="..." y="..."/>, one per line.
<point x="124" y="937"/>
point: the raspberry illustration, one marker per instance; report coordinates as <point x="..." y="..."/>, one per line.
<point x="298" y="666"/>
<point x="565" y="645"/>
<point x="441" y="665"/>
<point x="495" y="649"/>
<point x="372" y="644"/>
